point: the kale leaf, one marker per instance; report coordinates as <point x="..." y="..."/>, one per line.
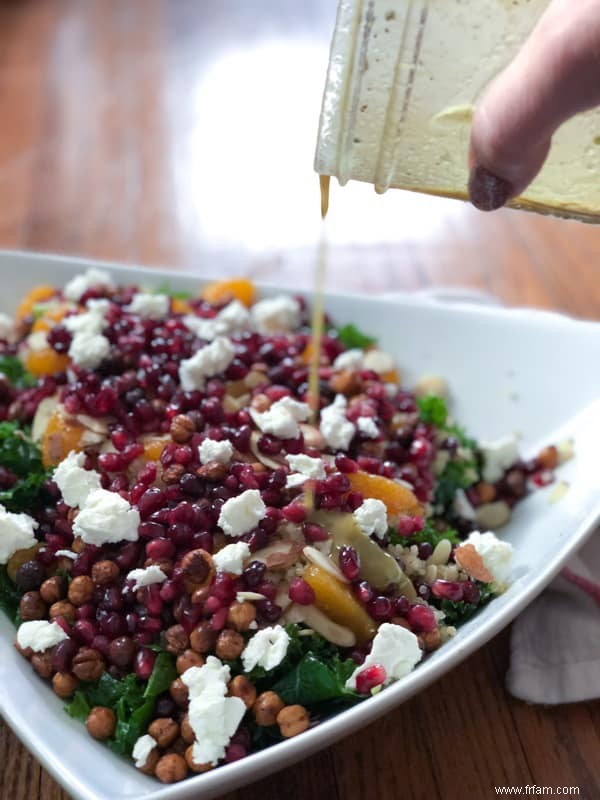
<point x="432" y="410"/>
<point x="15" y="371"/>
<point x="350" y="336"/>
<point x="459" y="612"/>
<point x="23" y="458"/>
<point x="313" y="681"/>
<point x="165" y="288"/>
<point x="10" y="596"/>
<point x="431" y="533"/>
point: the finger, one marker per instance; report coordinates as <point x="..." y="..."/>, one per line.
<point x="555" y="75"/>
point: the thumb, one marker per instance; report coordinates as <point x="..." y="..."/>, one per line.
<point x="554" y="76"/>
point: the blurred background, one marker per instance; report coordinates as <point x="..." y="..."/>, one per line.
<point x="182" y="133"/>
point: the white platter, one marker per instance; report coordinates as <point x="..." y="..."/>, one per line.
<point x="522" y="370"/>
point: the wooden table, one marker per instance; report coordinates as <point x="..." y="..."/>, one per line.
<point x="182" y="133"/>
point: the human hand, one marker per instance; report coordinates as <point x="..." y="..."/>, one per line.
<point x="555" y="75"/>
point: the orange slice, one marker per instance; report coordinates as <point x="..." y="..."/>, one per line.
<point x="38" y="294"/>
<point x="62" y="435"/>
<point x="398" y="498"/>
<point x="224" y="291"/>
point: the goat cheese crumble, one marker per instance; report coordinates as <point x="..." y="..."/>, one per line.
<point x="495" y="554"/>
<point x="266" y="649"/>
<point x="213" y="450"/>
<point x="371" y="517"/>
<point x="282" y="418"/>
<point x="79" y="285"/>
<point x="16" y="533"/>
<point x="336" y="428"/>
<point x="75" y="482"/>
<point x="149" y="306"/>
<point x="242" y="513"/>
<point x="142" y="749"/>
<point x="106" y="517"/>
<point x="146" y="576"/>
<point x="498" y="456"/>
<point x="231" y="320"/>
<point x="304" y="467"/>
<point x="231" y="558"/>
<point x="38" y="635"/>
<point x="212" y="359"/>
<point x="396" y="649"/>
<point x="368" y="427"/>
<point x="276" y="314"/>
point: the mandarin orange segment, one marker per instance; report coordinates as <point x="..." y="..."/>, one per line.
<point x="179" y="306"/>
<point x="221" y="292"/>
<point x="38" y="294"/>
<point x="53" y="314"/>
<point x="19" y="558"/>
<point x="46" y="362"/>
<point x="62" y="435"/>
<point x="335" y="600"/>
<point x="391" y="376"/>
<point x="154" y="445"/>
<point x="398" y="498"/>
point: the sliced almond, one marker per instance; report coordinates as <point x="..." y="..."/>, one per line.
<point x="318" y="559"/>
<point x="319" y="622"/>
<point x="469" y="559"/>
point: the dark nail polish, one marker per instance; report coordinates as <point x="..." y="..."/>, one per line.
<point x="487" y="191"/>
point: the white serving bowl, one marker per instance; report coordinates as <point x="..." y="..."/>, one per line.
<point x="509" y="370"/>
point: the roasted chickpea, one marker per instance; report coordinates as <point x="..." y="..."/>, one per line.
<point x="177" y="640"/>
<point x="62" y="608"/>
<point x="88" y="664"/>
<point x="54" y="589"/>
<point x="179" y="692"/>
<point x="31" y="606"/>
<point x="189" y="760"/>
<point x="64" y="684"/>
<point x="198" y="569"/>
<point x="266" y="707"/>
<point x="81" y="590"/>
<point x="121" y="651"/>
<point x="151" y="762"/>
<point x="240" y="615"/>
<point x="241" y="687"/>
<point x="189" y="658"/>
<point x="292" y="720"/>
<point x="548" y="457"/>
<point x="229" y="645"/>
<point x="431" y="640"/>
<point x="187" y="732"/>
<point x="171" y="768"/>
<point x="104" y="572"/>
<point x="101" y="722"/>
<point x="165" y="730"/>
<point x="182" y="428"/>
<point x="203" y="638"/>
<point x="42" y="664"/>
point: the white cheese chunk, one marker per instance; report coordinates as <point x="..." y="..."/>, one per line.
<point x="282" y="418"/>
<point x="231" y="558"/>
<point x="88" y="350"/>
<point x="39" y="635"/>
<point x="396" y="649"/>
<point x="230" y="321"/>
<point x="7" y="327"/>
<point x="304" y="467"/>
<point x="142" y="749"/>
<point x="279" y="314"/>
<point x="212" y="450"/>
<point x="368" y="427"/>
<point x="75" y="482"/>
<point x="106" y="517"/>
<point x="350" y="359"/>
<point x="91" y="321"/>
<point x="266" y="649"/>
<point x="16" y="533"/>
<point x="378" y="361"/>
<point x="149" y="306"/>
<point x="371" y="517"/>
<point x="79" y="285"/>
<point x="212" y="359"/>
<point x="146" y="576"/>
<point x="498" y="456"/>
<point x="495" y="554"/>
<point x="337" y="430"/>
<point x="242" y="513"/>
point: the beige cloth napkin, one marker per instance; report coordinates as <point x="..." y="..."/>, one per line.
<point x="555" y="642"/>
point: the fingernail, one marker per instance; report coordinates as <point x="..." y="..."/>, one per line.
<point x="487" y="191"/>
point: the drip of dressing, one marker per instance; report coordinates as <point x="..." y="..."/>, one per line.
<point x="317" y="311"/>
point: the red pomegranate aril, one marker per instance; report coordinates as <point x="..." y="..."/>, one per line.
<point x="268" y="589"/>
<point x="64" y="624"/>
<point x="354" y="500"/>
<point x="542" y="478"/>
<point x="421" y="618"/>
<point x="101" y="644"/>
<point x="234" y="752"/>
<point x="190" y="617"/>
<point x="337" y="482"/>
<point x="183" y="512"/>
<point x="345" y="464"/>
<point x="295" y="512"/>
<point x="421" y="451"/>
<point x="84" y="631"/>
<point x="150" y="624"/>
<point x="253" y="574"/>
<point x="218" y="619"/>
<point x="112" y="624"/>
<point x="447" y="590"/>
<point x="301" y="592"/>
<point x="405" y="525"/>
<point x="223" y="588"/>
<point x="150" y="501"/>
<point x="212" y="605"/>
<point x="349" y="562"/>
<point x="268" y="611"/>
<point x="471" y="593"/>
<point x="152" y="530"/>
<point x="183" y="455"/>
<point x="370" y="677"/>
<point x="160" y="548"/>
<point x="62" y="655"/>
<point x="247" y="479"/>
<point x="128" y="556"/>
<point x="181" y="534"/>
<point x="120" y="439"/>
<point x="111" y="462"/>
<point x="314" y="533"/>
<point x="147" y="474"/>
<point x="269" y="445"/>
<point x="152" y="600"/>
<point x="170" y="591"/>
<point x="425" y="549"/>
<point x="143" y="663"/>
<point x="364" y="592"/>
<point x="401" y="605"/>
<point x="380" y="608"/>
<point x="86" y="611"/>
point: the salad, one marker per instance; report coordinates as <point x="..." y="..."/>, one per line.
<point x="198" y="562"/>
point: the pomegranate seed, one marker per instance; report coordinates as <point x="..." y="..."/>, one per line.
<point x="421" y="451"/>
<point x="160" y="548"/>
<point x="268" y="611"/>
<point x="380" y="608"/>
<point x="447" y="590"/>
<point x="63" y="655"/>
<point x="370" y="677"/>
<point x="144" y="663"/>
<point x="354" y="500"/>
<point x="152" y="530"/>
<point x="84" y="630"/>
<point x="295" y="512"/>
<point x="543" y="478"/>
<point x="218" y="619"/>
<point x="147" y="474"/>
<point x="401" y="605"/>
<point x="111" y="462"/>
<point x="301" y="592"/>
<point x="314" y="533"/>
<point x="233" y="752"/>
<point x="120" y="439"/>
<point x="150" y="501"/>
<point x="212" y="605"/>
<point x="349" y="562"/>
<point x="253" y="574"/>
<point x="471" y="593"/>
<point x="364" y="592"/>
<point x="406" y="525"/>
<point x="425" y="549"/>
<point x="421" y="618"/>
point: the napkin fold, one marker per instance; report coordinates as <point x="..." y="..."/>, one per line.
<point x="555" y="642"/>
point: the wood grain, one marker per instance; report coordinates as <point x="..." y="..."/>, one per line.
<point x="181" y="133"/>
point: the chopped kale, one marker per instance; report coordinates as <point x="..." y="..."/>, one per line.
<point x="432" y="410"/>
<point x="22" y="457"/>
<point x="459" y="612"/>
<point x="350" y="336"/>
<point x="15" y="371"/>
<point x="10" y="596"/>
<point x="165" y="288"/>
